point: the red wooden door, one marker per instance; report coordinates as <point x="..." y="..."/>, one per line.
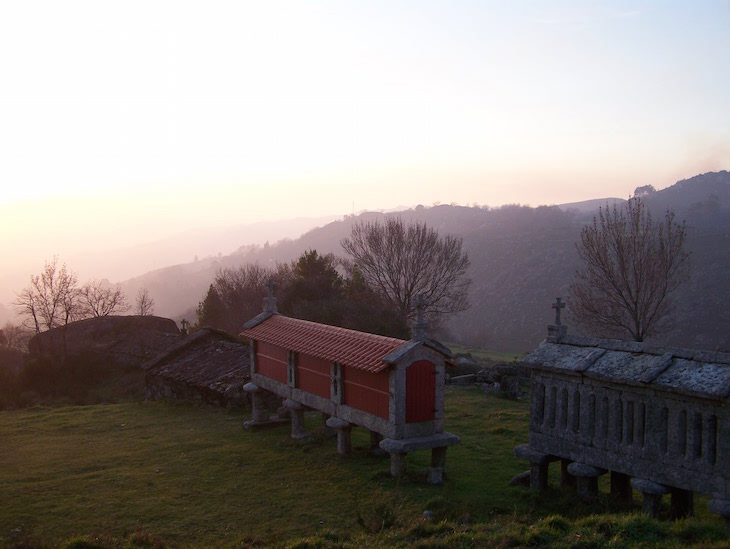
<point x="420" y="391"/>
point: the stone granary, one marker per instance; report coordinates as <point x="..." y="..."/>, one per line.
<point x="392" y="387"/>
<point x="209" y="366"/>
<point x="657" y="418"/>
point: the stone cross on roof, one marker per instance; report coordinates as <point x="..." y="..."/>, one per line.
<point x="270" y="300"/>
<point x="272" y="284"/>
<point x="418" y="331"/>
<point x="558" y="305"/>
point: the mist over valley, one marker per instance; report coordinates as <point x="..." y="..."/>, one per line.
<point x="521" y="259"/>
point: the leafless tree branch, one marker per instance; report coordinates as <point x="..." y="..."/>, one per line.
<point x="631" y="266"/>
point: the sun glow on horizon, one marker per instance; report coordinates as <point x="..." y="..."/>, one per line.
<point x="129" y="122"/>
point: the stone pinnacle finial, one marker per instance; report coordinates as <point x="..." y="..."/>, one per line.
<point x="558" y="305"/>
<point x="418" y="330"/>
<point x="270" y="300"/>
<point x="558" y="330"/>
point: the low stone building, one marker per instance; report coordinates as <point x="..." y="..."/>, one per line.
<point x="657" y="418"/>
<point x="209" y="366"/>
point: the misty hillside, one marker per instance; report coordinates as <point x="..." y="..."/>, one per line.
<point x="522" y="258"/>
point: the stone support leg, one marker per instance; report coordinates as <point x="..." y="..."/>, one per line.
<point x="720" y="507"/>
<point x="566" y="479"/>
<point x="259" y="413"/>
<point x="651" y="495"/>
<point x="435" y="473"/>
<point x="344" y="435"/>
<point x="344" y="441"/>
<point x="297" y="419"/>
<point x="260" y="416"/>
<point x="297" y="424"/>
<point x="621" y="487"/>
<point x="538" y="476"/>
<point x="586" y="478"/>
<point x="397" y="464"/>
<point x="538" y="466"/>
<point x="587" y="488"/>
<point x="258" y="410"/>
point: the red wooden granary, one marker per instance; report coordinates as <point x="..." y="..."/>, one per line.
<point x="392" y="387"/>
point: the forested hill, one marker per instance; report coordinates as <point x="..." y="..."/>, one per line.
<point x="522" y="258"/>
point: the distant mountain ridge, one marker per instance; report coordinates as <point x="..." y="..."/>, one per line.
<point x="522" y="258"/>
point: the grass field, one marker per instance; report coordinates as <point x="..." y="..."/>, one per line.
<point x="162" y="474"/>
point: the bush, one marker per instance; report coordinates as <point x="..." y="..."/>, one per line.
<point x="78" y="379"/>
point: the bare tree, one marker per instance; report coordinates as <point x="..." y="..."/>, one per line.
<point x="631" y="266"/>
<point x="99" y="298"/>
<point x="235" y="297"/>
<point x="402" y="261"/>
<point x="51" y="299"/>
<point x="14" y="337"/>
<point x="145" y="303"/>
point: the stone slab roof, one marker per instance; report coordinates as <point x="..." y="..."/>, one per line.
<point x="207" y="358"/>
<point x="700" y="373"/>
<point x="360" y="350"/>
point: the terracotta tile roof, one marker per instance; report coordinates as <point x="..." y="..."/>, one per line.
<point x="359" y="350"/>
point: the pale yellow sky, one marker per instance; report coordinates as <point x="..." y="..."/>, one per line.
<point x="127" y="122"/>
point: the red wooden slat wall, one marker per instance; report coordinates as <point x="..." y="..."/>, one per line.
<point x="271" y="361"/>
<point x="420" y="392"/>
<point x="313" y="375"/>
<point x="367" y="391"/>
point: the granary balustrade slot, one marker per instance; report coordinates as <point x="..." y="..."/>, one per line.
<point x="591" y="418"/>
<point x="682" y="433"/>
<point x="618" y="420"/>
<point x="630" y="422"/>
<point x="712" y="439"/>
<point x="697" y="436"/>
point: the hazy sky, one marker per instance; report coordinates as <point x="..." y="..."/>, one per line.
<point x="128" y="121"/>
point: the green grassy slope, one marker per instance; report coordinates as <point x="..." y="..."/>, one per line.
<point x="166" y="474"/>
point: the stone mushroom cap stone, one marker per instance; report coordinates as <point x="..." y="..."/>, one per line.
<point x="648" y="487"/>
<point x="578" y="469"/>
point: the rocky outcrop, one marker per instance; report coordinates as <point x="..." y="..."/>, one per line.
<point x="123" y="339"/>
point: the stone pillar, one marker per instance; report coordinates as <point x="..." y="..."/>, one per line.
<point x="297" y="419"/>
<point x="682" y="503"/>
<point x="566" y="479"/>
<point x="398" y="464"/>
<point x="538" y="466"/>
<point x="435" y="473"/>
<point x="259" y="413"/>
<point x="651" y="493"/>
<point x="621" y="487"/>
<point x="586" y="479"/>
<point x="720" y="507"/>
<point x="344" y="431"/>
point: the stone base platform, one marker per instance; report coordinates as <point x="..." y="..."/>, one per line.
<point x="538" y="465"/>
<point x="437" y="443"/>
